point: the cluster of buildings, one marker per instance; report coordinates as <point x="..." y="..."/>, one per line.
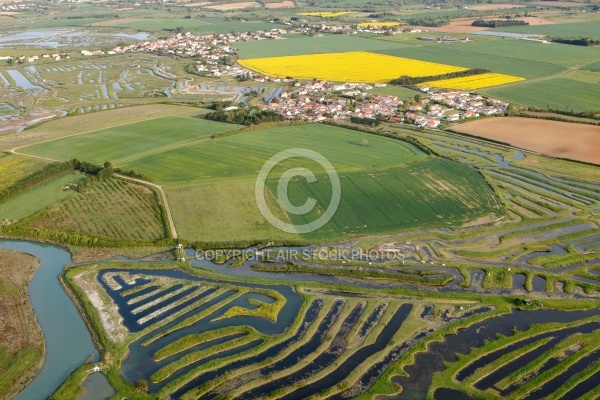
<point x="16" y="7"/>
<point x="319" y="106"/>
<point x="214" y="53"/>
<point x="34" y="58"/>
<point x="318" y="101"/>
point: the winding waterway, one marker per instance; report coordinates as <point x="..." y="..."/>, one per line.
<point x="67" y="339"/>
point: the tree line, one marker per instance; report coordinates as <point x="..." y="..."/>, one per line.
<point x="245" y="116"/>
<point x="577" y="41"/>
<point x="429" y="21"/>
<point x="498" y="23"/>
<point x="406" y="80"/>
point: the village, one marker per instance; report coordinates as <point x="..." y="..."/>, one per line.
<point x="320" y="100"/>
<point x="215" y="56"/>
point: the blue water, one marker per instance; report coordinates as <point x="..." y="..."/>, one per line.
<point x="68" y="341"/>
<point x="21" y="80"/>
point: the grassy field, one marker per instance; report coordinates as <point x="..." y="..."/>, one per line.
<point x="244" y="154"/>
<point x="379" y="202"/>
<point x="343" y="67"/>
<point x="222" y="210"/>
<point x="210" y="184"/>
<point x="112" y="209"/>
<point x="595" y="66"/>
<point x="115" y="143"/>
<point x="511" y="57"/>
<point x="38" y="198"/>
<point x="206" y="26"/>
<point x="302" y="44"/>
<point x="14" y="168"/>
<point x="398" y="91"/>
<point x="560" y="94"/>
<point x="576" y="29"/>
<point x="95" y="121"/>
<point x="21" y="340"/>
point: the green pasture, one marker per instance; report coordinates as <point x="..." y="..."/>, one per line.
<point x="504" y="63"/>
<point x="295" y="44"/>
<point x="193" y="25"/>
<point x="123" y="141"/>
<point x="244" y="154"/>
<point x="559" y="93"/>
<point x="40" y="197"/>
<point x="574" y="29"/>
<point x="436" y="192"/>
<point x="222" y="210"/>
<point x="595" y="66"/>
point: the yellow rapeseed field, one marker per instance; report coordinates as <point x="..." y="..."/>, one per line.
<point x="325" y="14"/>
<point x="475" y="81"/>
<point x="385" y="24"/>
<point x="355" y="66"/>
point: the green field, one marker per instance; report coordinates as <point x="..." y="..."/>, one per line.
<point x="210" y="182"/>
<point x="559" y="93"/>
<point x="435" y="192"/>
<point x="111" y="209"/>
<point x="576" y="29"/>
<point x="244" y="154"/>
<point x="115" y="143"/>
<point x="595" y="66"/>
<point x="14" y="168"/>
<point x="222" y="210"/>
<point x="398" y="91"/>
<point x="40" y="197"/>
<point x="209" y="25"/>
<point x="504" y="64"/>
<point x="301" y="44"/>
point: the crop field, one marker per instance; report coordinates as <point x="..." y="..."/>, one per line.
<point x="575" y="29"/>
<point x="378" y="202"/>
<point x="114" y="144"/>
<point x="475" y="82"/>
<point x="593" y="66"/>
<point x="242" y="155"/>
<point x="217" y="210"/>
<point x="205" y="26"/>
<point x="237" y="158"/>
<point x="512" y="60"/>
<point x="302" y="44"/>
<point x="546" y="137"/>
<point x="14" y="168"/>
<point x="94" y="122"/>
<point x="111" y="209"/>
<point x="384" y="24"/>
<point x="342" y="67"/>
<point x="325" y="14"/>
<point x="558" y="94"/>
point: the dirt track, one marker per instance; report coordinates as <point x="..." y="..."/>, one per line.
<point x="558" y="139"/>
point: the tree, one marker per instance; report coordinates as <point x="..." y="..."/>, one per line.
<point x="141" y="386"/>
<point x="364" y="142"/>
<point x="417" y="98"/>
